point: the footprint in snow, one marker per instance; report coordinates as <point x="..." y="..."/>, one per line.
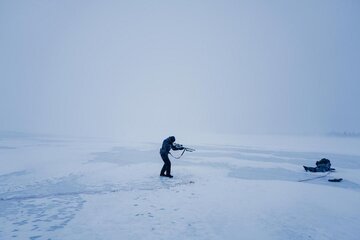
<point x="35" y="237"/>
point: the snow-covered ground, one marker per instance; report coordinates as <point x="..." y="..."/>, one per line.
<point x="244" y="187"/>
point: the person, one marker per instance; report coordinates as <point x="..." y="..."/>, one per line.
<point x="167" y="145"/>
<point x="323" y="165"/>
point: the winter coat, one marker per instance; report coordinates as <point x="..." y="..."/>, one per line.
<point x="167" y="145"/>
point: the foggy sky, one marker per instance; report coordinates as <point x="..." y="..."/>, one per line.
<point x="103" y="68"/>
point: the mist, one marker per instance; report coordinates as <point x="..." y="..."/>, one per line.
<point x="122" y="68"/>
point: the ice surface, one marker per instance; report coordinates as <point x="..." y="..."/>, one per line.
<point x="83" y="188"/>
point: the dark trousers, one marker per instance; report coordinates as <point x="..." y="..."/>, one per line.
<point x="167" y="165"/>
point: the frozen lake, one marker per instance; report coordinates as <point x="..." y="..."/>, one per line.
<point x="242" y="188"/>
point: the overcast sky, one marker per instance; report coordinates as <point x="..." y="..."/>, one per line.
<point x="173" y="67"/>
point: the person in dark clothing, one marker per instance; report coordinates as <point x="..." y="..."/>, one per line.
<point x="167" y="145"/>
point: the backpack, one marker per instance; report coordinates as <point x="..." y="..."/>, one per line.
<point x="323" y="163"/>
